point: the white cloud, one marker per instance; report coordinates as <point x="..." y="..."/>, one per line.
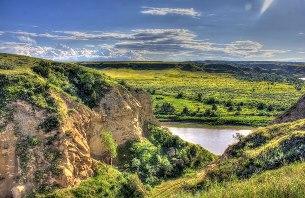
<point x="170" y="11"/>
<point x="137" y="44"/>
<point x="61" y="52"/>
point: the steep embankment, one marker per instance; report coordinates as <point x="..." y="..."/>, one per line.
<point x="296" y="112"/>
<point x="52" y="116"/>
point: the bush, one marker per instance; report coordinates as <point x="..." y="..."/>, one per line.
<point x="110" y="144"/>
<point x="179" y="95"/>
<point x="167" y="109"/>
<point x="185" y="111"/>
<point x="50" y="124"/>
<point x="211" y="101"/>
<point x="210" y="113"/>
<point x="43" y="69"/>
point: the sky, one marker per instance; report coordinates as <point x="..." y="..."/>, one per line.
<point x="168" y="30"/>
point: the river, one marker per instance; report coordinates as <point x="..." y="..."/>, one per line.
<point x="216" y="140"/>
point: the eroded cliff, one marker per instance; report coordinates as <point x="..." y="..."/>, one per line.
<point x="51" y="129"/>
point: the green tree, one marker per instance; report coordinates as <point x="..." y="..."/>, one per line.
<point x="199" y="97"/>
<point x="179" y="95"/>
<point x="185" y="111"/>
<point x="166" y="108"/>
<point x="110" y="144"/>
<point x="214" y="107"/>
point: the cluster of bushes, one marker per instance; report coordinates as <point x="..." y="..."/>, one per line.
<point x="6" y="65"/>
<point x="107" y="182"/>
<point x="161" y="156"/>
<point x="89" y="86"/>
<point x="27" y="88"/>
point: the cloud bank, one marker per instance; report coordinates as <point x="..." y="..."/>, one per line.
<point x="137" y="44"/>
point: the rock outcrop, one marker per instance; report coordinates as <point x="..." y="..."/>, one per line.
<point x="32" y="157"/>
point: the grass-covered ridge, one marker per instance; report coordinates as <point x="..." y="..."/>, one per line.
<point x="214" y="98"/>
<point x="285" y="182"/>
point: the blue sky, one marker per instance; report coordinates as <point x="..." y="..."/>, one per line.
<point x="174" y="30"/>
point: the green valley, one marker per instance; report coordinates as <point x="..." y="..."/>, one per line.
<point x="213" y="98"/>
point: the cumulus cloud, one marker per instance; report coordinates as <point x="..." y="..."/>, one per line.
<point x="170" y="11"/>
<point x="61" y="52"/>
<point x="137" y="44"/>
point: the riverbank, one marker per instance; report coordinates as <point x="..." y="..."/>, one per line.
<point x="203" y="125"/>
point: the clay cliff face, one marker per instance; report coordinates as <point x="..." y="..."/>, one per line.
<point x="296" y="112"/>
<point x="32" y="158"/>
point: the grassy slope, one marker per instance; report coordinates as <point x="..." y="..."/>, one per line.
<point x="167" y="84"/>
<point x="288" y="181"/>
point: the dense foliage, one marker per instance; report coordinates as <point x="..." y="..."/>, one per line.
<point x="162" y="156"/>
<point x="87" y="85"/>
<point x="107" y="182"/>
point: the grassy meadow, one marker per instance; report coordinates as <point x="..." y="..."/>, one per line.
<point x="212" y="98"/>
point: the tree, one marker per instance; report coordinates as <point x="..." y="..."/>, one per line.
<point x="211" y="101"/>
<point x="167" y="108"/>
<point x="210" y="113"/>
<point x="185" y="111"/>
<point x="214" y="107"/>
<point x="199" y="97"/>
<point x="179" y="95"/>
<point x="110" y="144"/>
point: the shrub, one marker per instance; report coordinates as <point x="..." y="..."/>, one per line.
<point x="199" y="97"/>
<point x="210" y="113"/>
<point x="211" y="101"/>
<point x="50" y="124"/>
<point x="179" y="95"/>
<point x="110" y="144"/>
<point x="185" y="111"/>
<point x="167" y="109"/>
<point x="43" y="69"/>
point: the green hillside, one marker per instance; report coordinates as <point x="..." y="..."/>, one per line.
<point x="267" y="163"/>
<point x="214" y="98"/>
